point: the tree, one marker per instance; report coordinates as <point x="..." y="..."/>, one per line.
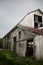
<point x="1" y="41"/>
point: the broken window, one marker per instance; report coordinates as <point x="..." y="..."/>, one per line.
<point x="35" y="24"/>
<point x="37" y="18"/>
<point x="37" y="21"/>
<point x="41" y="25"/>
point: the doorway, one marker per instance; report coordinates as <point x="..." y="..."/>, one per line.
<point x="29" y="50"/>
<point x="14" y="39"/>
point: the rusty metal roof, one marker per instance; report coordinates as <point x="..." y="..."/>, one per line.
<point x="36" y="30"/>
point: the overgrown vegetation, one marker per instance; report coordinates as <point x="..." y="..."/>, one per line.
<point x="1" y="42"/>
<point x="11" y="58"/>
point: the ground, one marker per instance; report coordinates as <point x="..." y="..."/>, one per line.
<point x="11" y="58"/>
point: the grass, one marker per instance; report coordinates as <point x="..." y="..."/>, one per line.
<point x="11" y="58"/>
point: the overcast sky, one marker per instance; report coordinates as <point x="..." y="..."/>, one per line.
<point x="12" y="11"/>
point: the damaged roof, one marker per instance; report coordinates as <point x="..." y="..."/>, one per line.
<point x="35" y="30"/>
<point x="38" y="31"/>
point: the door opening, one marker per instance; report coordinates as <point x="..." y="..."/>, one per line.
<point x="14" y="39"/>
<point x="29" y="50"/>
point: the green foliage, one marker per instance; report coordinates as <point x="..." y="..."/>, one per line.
<point x="11" y="58"/>
<point x="1" y="41"/>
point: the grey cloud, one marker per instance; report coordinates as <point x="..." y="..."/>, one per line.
<point x="12" y="11"/>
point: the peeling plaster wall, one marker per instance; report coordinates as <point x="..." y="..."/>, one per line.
<point x="21" y="48"/>
<point x="38" y="40"/>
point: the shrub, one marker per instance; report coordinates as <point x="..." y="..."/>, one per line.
<point x="1" y="41"/>
<point x="11" y="58"/>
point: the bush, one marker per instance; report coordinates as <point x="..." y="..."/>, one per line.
<point x="11" y="58"/>
<point x="1" y="41"/>
<point x="2" y="59"/>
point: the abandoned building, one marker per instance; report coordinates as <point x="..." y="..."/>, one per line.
<point x="26" y="38"/>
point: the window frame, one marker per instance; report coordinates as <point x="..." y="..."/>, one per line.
<point x="36" y="18"/>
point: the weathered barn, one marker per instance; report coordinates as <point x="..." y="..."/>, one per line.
<point x="26" y="38"/>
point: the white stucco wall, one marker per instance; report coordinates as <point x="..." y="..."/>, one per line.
<point x="13" y="34"/>
<point x="21" y="49"/>
<point x="26" y="21"/>
<point x="29" y="19"/>
<point x="24" y="35"/>
<point x="39" y="46"/>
